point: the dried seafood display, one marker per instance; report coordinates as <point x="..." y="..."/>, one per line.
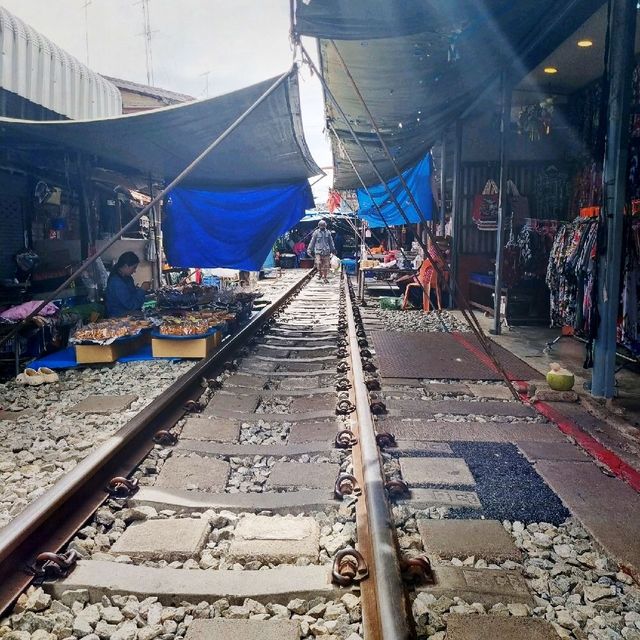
<point x="107" y="331"/>
<point x="194" y="323"/>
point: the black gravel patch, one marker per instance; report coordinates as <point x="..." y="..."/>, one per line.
<point x="507" y="485"/>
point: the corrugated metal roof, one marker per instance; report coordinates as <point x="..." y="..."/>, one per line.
<point x="170" y="97"/>
<point x="38" y="70"/>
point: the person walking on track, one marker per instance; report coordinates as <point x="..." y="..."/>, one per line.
<point x="321" y="247"/>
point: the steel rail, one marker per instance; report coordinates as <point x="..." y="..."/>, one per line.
<point x="393" y="611"/>
<point x="49" y="522"/>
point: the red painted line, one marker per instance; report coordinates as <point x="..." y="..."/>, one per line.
<point x="595" y="449"/>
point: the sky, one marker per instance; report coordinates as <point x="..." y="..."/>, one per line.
<point x="227" y="44"/>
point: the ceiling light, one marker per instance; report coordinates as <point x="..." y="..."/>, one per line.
<point x="550" y="70"/>
<point x="586" y="43"/>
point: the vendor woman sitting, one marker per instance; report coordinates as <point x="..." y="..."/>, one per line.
<point x="122" y="296"/>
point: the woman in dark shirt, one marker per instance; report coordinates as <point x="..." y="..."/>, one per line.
<point x="122" y="296"/>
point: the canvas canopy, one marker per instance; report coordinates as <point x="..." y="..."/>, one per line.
<point x="267" y="148"/>
<point x="420" y="64"/>
<point x="231" y="228"/>
<point x="380" y="210"/>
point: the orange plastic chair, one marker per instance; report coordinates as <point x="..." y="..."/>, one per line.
<point x="428" y="277"/>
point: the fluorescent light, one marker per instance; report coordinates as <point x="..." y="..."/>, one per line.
<point x="550" y="70"/>
<point x="586" y="43"/>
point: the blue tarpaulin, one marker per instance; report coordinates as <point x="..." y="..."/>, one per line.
<point x="235" y="229"/>
<point x="418" y="179"/>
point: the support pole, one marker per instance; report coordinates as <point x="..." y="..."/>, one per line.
<point x="154" y="201"/>
<point x="443" y="184"/>
<point x="456" y="213"/>
<point x="505" y="119"/>
<point x="622" y="30"/>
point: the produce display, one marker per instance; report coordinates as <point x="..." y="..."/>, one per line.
<point x="107" y="331"/>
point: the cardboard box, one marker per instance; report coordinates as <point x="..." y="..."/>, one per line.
<point x="104" y="354"/>
<point x="194" y="348"/>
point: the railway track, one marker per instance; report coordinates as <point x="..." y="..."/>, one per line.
<point x="283" y="489"/>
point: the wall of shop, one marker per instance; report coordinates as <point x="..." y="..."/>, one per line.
<point x="13" y="202"/>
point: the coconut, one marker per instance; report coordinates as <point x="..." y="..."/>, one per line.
<point x="559" y="378"/>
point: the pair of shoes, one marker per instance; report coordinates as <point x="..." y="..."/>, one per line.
<point x="35" y="378"/>
<point x="325" y="281"/>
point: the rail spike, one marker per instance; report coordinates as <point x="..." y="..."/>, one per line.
<point x="397" y="489"/>
<point x="346" y="485"/>
<point x="345" y="439"/>
<point x="345" y="407"/>
<point x="348" y="567"/>
<point x="120" y="487"/>
<point x="417" y="570"/>
<point x="386" y="440"/>
<point x="49" y="566"/>
<point x="165" y="438"/>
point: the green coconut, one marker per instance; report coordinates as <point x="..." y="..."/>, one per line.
<point x="560" y="379"/>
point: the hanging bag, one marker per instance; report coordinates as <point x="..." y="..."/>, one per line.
<point x="519" y="205"/>
<point x="485" y="207"/>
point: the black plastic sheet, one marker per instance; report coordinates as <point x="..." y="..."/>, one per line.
<point x="267" y="148"/>
<point x="421" y="64"/>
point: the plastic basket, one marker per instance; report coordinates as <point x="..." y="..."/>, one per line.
<point x="390" y="303"/>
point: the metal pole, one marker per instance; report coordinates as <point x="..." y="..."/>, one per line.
<point x="390" y="593"/>
<point x="134" y="221"/>
<point x="443" y="182"/>
<point x="622" y="30"/>
<point x="456" y="213"/>
<point x="505" y="119"/>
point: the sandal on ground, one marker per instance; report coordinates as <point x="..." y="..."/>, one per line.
<point x="49" y="375"/>
<point x="32" y="377"/>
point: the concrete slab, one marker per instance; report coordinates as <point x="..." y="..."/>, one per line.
<point x="290" y="502"/>
<point x="607" y="507"/>
<point x="443" y="498"/>
<point x="449" y="389"/>
<point x="212" y="429"/>
<point x="459" y="407"/>
<point x="405" y="447"/>
<point x="242" y="450"/>
<point x="421" y="471"/>
<point x="167" y="539"/>
<point x="207" y="474"/>
<point x="299" y="383"/>
<point x="103" y="404"/>
<point x="472" y="431"/>
<point x="251" y="366"/>
<point x="243" y="629"/>
<point x="240" y="403"/>
<point x="298" y="475"/>
<point x="292" y="366"/>
<point x="275" y="539"/>
<point x="462" y="627"/>
<point x="485" y="539"/>
<point x="553" y="451"/>
<point x="313" y="432"/>
<point x="173" y="586"/>
<point x="246" y="381"/>
<point x="313" y="403"/>
<point x="12" y="416"/>
<point x="487" y="586"/>
<point x="490" y="391"/>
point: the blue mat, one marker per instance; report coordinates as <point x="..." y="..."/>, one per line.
<point x="66" y="358"/>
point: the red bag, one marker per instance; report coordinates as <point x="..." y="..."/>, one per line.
<point x="485" y="207"/>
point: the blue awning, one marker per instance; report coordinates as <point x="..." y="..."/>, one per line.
<point x="418" y="179"/>
<point x="234" y="229"/>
